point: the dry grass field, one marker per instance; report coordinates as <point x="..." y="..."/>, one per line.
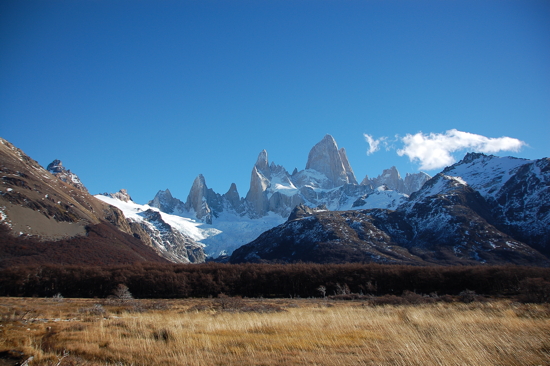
<point x="230" y="331"/>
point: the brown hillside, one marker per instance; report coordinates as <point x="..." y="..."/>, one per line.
<point x="45" y="220"/>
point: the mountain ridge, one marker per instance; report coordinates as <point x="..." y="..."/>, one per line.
<point x="461" y="215"/>
<point x="328" y="180"/>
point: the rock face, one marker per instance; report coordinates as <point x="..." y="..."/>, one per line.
<point x="259" y="183"/>
<point x="166" y="203"/>
<point x="271" y="189"/>
<point x="198" y="200"/>
<point x="121" y="195"/>
<point x="56" y="168"/>
<point x="484" y="209"/>
<point x="169" y="242"/>
<point x="326" y="159"/>
<point x="52" y="215"/>
<point x="413" y="182"/>
<point x="389" y="178"/>
<point x="232" y="200"/>
<point x="202" y="202"/>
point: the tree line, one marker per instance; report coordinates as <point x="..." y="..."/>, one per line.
<point x="154" y="280"/>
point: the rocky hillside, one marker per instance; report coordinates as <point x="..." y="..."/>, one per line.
<point x="46" y="219"/>
<point x="56" y="168"/>
<point x="172" y="237"/>
<point x="517" y="192"/>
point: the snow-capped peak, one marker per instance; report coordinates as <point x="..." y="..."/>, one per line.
<point x="485" y="173"/>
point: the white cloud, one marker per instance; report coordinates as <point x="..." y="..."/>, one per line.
<point x="433" y="151"/>
<point x="374" y="144"/>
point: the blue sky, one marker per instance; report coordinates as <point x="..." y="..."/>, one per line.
<point x="146" y="95"/>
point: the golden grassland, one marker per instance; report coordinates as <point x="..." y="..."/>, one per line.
<point x="65" y="332"/>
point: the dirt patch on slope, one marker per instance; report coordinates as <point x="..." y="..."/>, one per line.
<point x="25" y="220"/>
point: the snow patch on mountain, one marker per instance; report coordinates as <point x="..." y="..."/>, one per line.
<point x="486" y="173"/>
<point x="134" y="211"/>
<point x="230" y="232"/>
<point x="381" y="197"/>
<point x="234" y="231"/>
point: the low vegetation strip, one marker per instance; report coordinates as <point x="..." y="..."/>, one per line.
<point x="62" y="332"/>
<point x="274" y="280"/>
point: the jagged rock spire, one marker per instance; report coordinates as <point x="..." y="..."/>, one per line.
<point x="196" y="200"/>
<point x="165" y="202"/>
<point x="262" y="162"/>
<point x="325" y="158"/>
<point x="233" y="199"/>
<point x="257" y="196"/>
<point x="55" y="166"/>
<point x="347" y="166"/>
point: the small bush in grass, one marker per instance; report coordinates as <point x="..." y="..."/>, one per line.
<point x="349" y="297"/>
<point x="467" y="296"/>
<point x="529" y="311"/>
<point x="200" y="307"/>
<point x="157" y="305"/>
<point x="534" y="290"/>
<point x="122" y="293"/>
<point x="237" y="304"/>
<point x="387" y="300"/>
<point x="446" y="298"/>
<point x="262" y="308"/>
<point x="413" y="298"/>
<point x="408" y="298"/>
<point x="96" y="309"/>
<point x="228" y="303"/>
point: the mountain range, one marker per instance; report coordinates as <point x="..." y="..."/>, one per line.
<point x="229" y="221"/>
<point x="328" y="180"/>
<point x="483" y="209"/>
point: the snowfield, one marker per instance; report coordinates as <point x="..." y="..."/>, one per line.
<point x="133" y="211"/>
<point x="228" y="232"/>
<point x="486" y="173"/>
